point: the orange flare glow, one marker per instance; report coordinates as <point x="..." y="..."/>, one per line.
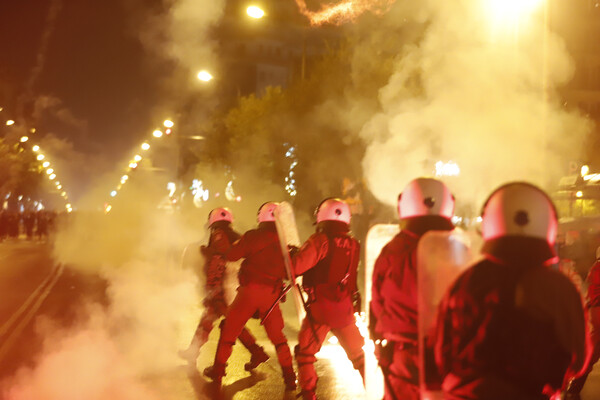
<point x="344" y="11"/>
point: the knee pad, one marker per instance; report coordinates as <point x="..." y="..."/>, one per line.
<point x="277" y="346"/>
<point x="303" y="358"/>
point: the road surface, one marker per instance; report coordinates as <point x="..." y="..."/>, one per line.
<point x="36" y="293"/>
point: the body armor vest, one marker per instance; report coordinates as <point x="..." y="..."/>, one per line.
<point x="335" y="275"/>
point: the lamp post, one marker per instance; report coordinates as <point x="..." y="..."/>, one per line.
<point x="255" y="12"/>
<point x="205" y="76"/>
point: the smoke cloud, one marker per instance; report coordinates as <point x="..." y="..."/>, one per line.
<point x="111" y="349"/>
<point x="180" y="31"/>
<point x="475" y="91"/>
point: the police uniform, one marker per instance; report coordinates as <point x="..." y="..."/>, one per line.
<point x="510" y="327"/>
<point x="261" y="279"/>
<point x="328" y="261"/>
<point x="221" y="237"/>
<point x="425" y="204"/>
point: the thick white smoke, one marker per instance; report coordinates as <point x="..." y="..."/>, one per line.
<point x="180" y="32"/>
<point x="153" y="300"/>
<point x="478" y="91"/>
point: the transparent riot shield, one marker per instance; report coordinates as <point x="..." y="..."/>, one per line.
<point x="441" y="257"/>
<point x="377" y="237"/>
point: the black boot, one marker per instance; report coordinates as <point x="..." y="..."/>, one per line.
<point x="215" y="372"/>
<point x="289" y="377"/>
<point x="258" y="357"/>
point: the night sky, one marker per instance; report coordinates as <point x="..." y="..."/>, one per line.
<point x="101" y="83"/>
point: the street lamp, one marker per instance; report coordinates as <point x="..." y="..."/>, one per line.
<point x="205" y="76"/>
<point x="168" y="123"/>
<point x="255" y="12"/>
<point x="509" y="12"/>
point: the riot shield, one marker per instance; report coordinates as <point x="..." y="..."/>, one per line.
<point x="441" y="257"/>
<point x="377" y="237"/>
<point x="285" y="221"/>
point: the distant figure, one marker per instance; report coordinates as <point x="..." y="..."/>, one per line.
<point x="42" y="225"/>
<point x="29" y="223"/>
<point x="3" y="224"/>
<point x="14" y="221"/>
<point x="511" y="327"/>
<point x="593" y="308"/>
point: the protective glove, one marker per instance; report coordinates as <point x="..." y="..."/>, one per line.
<point x="574" y="387"/>
<point x="205" y="251"/>
<point x="384" y="353"/>
<point x="372" y="324"/>
<point x="357" y="301"/>
<point x="292" y="250"/>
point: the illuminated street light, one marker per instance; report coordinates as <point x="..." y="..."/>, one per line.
<point x="24" y="139"/>
<point x="133" y="165"/>
<point x="507" y="12"/>
<point x="113" y="193"/>
<point x="585" y="170"/>
<point x="35" y="148"/>
<point x="52" y="177"/>
<point x="255" y="12"/>
<point x="49" y="171"/>
<point x="205" y="76"/>
<point x="145" y="146"/>
<point x="10" y="122"/>
<point x="168" y="123"/>
<point x="46" y="164"/>
<point x="40" y="157"/>
<point x="157" y="133"/>
<point x="59" y="187"/>
<point x="137" y="158"/>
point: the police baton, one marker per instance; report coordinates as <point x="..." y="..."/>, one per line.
<point x="279" y="299"/>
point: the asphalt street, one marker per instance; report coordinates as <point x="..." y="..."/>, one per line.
<point x="34" y="289"/>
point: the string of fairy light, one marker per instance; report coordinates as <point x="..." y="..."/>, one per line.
<point x="137" y="159"/>
<point x="290" y="181"/>
<point x="45" y="164"/>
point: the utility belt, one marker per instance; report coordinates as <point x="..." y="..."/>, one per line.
<point x="247" y="275"/>
<point x="330" y="291"/>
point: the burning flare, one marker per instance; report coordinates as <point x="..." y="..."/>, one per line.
<point x="344" y="11"/>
